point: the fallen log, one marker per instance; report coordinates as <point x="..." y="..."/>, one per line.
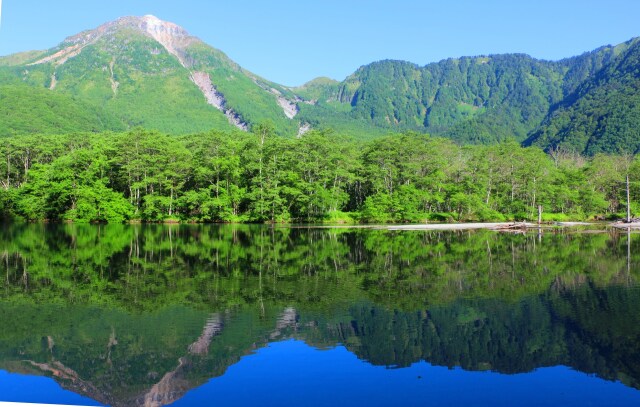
<point x="514" y="226"/>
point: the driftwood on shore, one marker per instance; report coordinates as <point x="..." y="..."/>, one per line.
<point x="496" y="226"/>
<point x="514" y="227"/>
<point x="634" y="224"/>
<point x="462" y="226"/>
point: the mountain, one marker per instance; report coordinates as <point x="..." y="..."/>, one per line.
<point x="471" y="99"/>
<point x="507" y="94"/>
<point x="151" y="73"/>
<point x="603" y="113"/>
<point x="142" y="71"/>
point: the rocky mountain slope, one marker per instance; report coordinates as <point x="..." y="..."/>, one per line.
<point x="152" y="73"/>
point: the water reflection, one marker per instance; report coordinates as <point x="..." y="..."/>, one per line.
<point x="309" y="377"/>
<point x="139" y="315"/>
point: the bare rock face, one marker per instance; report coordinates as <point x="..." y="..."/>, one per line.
<point x="61" y="56"/>
<point x="304" y="129"/>
<point x="212" y="328"/>
<point x="162" y="31"/>
<point x="172" y="37"/>
<point x="289" y="107"/>
<point x="203" y="81"/>
<point x="216" y="99"/>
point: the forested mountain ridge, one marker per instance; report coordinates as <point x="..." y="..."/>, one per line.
<point x="516" y="90"/>
<point x="142" y="71"/>
<point x="603" y="114"/>
<point x="480" y="99"/>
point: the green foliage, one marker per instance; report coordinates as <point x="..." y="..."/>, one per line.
<point x="589" y="101"/>
<point x="320" y="177"/>
<point x="318" y="89"/>
<point x="603" y="114"/>
<point x="133" y="78"/>
<point x="125" y="79"/>
<point x="197" y="264"/>
<point x="478" y="100"/>
<point x="27" y="110"/>
<point x="340" y="217"/>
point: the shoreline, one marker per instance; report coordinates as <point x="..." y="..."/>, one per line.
<point x="496" y="226"/>
<point x="465" y="226"/>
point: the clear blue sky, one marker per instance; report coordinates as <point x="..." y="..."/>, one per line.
<point x="293" y="41"/>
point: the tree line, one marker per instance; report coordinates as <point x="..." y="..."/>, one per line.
<point x="320" y="177"/>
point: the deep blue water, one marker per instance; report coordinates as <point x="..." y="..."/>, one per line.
<point x="291" y="373"/>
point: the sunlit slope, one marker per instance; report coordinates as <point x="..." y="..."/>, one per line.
<point x="603" y="115"/>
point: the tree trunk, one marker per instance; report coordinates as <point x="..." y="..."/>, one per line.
<point x="8" y="171"/>
<point x="628" y="202"/>
<point x="539" y="214"/>
<point x="171" y="202"/>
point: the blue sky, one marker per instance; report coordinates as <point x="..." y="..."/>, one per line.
<point x="293" y="41"/>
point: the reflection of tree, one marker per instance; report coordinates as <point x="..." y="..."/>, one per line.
<point x="147" y="266"/>
<point x="603" y="331"/>
<point x="139" y="309"/>
<point x="475" y="335"/>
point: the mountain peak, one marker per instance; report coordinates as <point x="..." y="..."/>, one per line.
<point x="171" y="36"/>
<point x="155" y="26"/>
<point x="149" y="25"/>
<point x="150" y="17"/>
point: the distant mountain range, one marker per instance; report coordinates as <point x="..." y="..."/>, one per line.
<point x="142" y="71"/>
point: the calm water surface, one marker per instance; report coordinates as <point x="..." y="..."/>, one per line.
<point x="239" y="315"/>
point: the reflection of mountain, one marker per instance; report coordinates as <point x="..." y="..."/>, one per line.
<point x="139" y="315"/>
<point x="131" y="360"/>
<point x="591" y="330"/>
<point x="117" y="359"/>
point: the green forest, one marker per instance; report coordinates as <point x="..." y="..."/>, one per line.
<point x="319" y="177"/>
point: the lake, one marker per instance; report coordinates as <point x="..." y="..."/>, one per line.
<point x="236" y="315"/>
